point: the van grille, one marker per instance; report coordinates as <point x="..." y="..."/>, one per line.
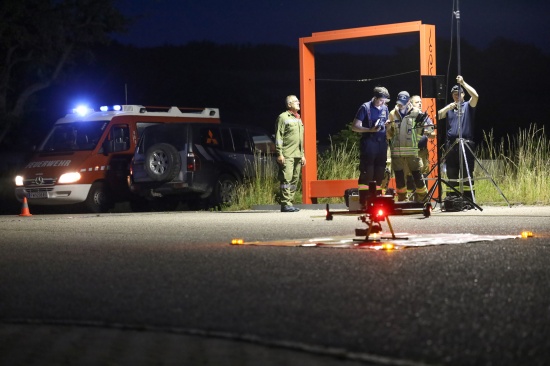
<point x="38" y="181"/>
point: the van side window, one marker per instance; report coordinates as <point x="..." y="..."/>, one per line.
<point x="120" y="135"/>
<point x="241" y="141"/>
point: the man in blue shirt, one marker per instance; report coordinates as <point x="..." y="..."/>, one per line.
<point x="464" y="130"/>
<point x="370" y="121"/>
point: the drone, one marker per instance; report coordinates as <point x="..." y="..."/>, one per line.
<point x="377" y="209"/>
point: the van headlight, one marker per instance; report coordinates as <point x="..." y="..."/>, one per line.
<point x="69" y="178"/>
<point x="18" y="180"/>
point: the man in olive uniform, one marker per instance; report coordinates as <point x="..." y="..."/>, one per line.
<point x="289" y="144"/>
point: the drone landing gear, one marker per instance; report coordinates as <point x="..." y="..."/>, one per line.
<point x="374" y="227"/>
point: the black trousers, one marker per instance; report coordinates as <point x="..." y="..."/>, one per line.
<point x="372" y="162"/>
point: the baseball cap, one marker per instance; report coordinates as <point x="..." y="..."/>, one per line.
<point x="403" y="98"/>
<point x="455" y="89"/>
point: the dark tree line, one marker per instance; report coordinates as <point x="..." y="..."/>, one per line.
<point x="247" y="82"/>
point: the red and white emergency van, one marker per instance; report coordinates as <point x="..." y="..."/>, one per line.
<point x="85" y="157"/>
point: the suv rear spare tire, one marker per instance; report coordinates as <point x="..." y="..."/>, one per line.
<point x="162" y="162"/>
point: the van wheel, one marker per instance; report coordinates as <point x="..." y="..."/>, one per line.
<point x="99" y="199"/>
<point x="162" y="162"/>
<point x="225" y="190"/>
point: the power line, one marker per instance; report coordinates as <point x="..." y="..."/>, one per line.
<point x="367" y="80"/>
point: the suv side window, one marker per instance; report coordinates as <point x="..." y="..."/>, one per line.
<point x="143" y="125"/>
<point x="227" y="140"/>
<point x="140" y="126"/>
<point x="241" y="141"/>
<point x="262" y="143"/>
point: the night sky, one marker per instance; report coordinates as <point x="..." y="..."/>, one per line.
<point x="177" y="22"/>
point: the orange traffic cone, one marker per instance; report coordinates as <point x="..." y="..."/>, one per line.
<point x="25" y="209"/>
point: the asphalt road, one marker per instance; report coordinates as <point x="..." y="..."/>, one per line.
<point x="169" y="289"/>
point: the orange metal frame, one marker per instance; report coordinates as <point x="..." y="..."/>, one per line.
<point x="311" y="187"/>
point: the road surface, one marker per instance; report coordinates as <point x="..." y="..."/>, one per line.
<point x="169" y="288"/>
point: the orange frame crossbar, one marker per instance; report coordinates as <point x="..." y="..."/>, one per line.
<point x="311" y="187"/>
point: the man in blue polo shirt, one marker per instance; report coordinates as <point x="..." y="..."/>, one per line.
<point x="370" y="121"/>
<point x="464" y="130"/>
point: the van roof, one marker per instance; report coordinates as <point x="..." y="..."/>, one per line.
<point x="128" y="110"/>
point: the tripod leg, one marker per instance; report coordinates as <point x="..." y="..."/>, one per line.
<point x="489" y="176"/>
<point x="465" y="163"/>
<point x="438" y="165"/>
<point x="391" y="228"/>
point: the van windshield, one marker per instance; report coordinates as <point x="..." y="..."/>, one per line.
<point x="74" y="136"/>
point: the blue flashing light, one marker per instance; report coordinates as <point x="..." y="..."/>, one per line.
<point x="106" y="108"/>
<point x="82" y="110"/>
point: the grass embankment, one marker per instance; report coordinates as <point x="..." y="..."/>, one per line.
<point x="518" y="166"/>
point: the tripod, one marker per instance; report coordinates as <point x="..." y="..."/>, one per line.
<point x="462" y="146"/>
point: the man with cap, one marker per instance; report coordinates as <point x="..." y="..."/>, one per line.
<point x="456" y="130"/>
<point x="404" y="134"/>
<point x="370" y="121"/>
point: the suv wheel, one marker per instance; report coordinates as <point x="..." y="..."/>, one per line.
<point x="225" y="189"/>
<point x="162" y="162"/>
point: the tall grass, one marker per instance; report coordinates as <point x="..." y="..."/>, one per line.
<point x="261" y="188"/>
<point x="339" y="161"/>
<point x="518" y="165"/>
